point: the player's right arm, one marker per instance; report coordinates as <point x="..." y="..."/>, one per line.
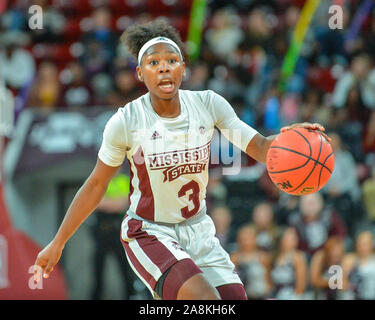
<point x="110" y="158"/>
<point x="84" y="203"/>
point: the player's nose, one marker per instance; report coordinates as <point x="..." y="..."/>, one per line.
<point x="163" y="67"/>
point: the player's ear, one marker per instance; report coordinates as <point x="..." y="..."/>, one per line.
<point x="139" y="73"/>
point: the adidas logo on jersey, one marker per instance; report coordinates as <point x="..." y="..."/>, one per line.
<point x="155" y="135"/>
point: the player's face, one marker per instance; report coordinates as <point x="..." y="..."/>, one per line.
<point x="162" y="70"/>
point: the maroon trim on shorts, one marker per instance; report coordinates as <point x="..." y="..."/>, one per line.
<point x="157" y="252"/>
<point x="145" y="207"/>
<point x="232" y="291"/>
<point x="154" y="249"/>
<point x="142" y="271"/>
<point x="182" y="271"/>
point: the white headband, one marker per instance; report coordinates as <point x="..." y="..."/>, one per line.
<point x="153" y="41"/>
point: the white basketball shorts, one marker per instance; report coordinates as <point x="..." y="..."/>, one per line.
<point x="152" y="248"/>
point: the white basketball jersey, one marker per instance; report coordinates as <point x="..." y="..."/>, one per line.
<point x="169" y="157"/>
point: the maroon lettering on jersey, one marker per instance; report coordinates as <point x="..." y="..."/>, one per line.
<point x="173" y="173"/>
<point x="180" y="162"/>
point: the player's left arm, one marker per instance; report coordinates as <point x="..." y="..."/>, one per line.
<point x="259" y="145"/>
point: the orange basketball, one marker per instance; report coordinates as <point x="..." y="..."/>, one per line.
<point x="300" y="161"/>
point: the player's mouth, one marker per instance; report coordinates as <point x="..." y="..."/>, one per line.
<point x="166" y="85"/>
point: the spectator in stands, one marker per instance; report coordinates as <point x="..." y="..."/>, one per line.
<point x="368" y="191"/>
<point x="252" y="264"/>
<point x="370" y="39"/>
<point x="348" y="122"/>
<point x="101" y="85"/>
<point x="53" y="24"/>
<point x="225" y="82"/>
<point x="76" y="91"/>
<point x="255" y="71"/>
<point x="258" y="71"/>
<point x="359" y="268"/>
<point x="267" y="232"/>
<point x="225" y="34"/>
<point x="321" y="263"/>
<point x="222" y="218"/>
<point x="94" y="58"/>
<point x="17" y="64"/>
<point x="329" y="43"/>
<point x="199" y="76"/>
<point x="362" y="75"/>
<point x="106" y="230"/>
<point x="289" y="269"/>
<point x="258" y="31"/>
<point x="272" y="119"/>
<point x="216" y="189"/>
<point x="343" y="181"/>
<point x="369" y="135"/>
<point x="15" y="17"/>
<point x="100" y="43"/>
<point x="7" y="104"/>
<point x="45" y="90"/>
<point x="290" y="19"/>
<point x="287" y="206"/>
<point x="343" y="189"/>
<point x="310" y="105"/>
<point x="315" y="223"/>
<point x="246" y="114"/>
<point x="125" y="88"/>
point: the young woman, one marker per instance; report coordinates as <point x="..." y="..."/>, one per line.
<point x="359" y="268"/>
<point x="289" y="270"/>
<point x="253" y="264"/>
<point x="165" y="134"/>
<point x="331" y="255"/>
<point x="263" y="222"/>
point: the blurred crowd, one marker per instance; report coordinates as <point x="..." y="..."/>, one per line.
<point x="284" y="247"/>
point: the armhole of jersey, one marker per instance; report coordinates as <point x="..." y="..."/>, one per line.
<point x="123" y="121"/>
<point x="210" y="107"/>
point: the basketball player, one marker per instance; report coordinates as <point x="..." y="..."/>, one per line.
<point x="165" y="135"/>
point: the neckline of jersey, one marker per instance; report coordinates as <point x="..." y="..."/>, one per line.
<point x="182" y="110"/>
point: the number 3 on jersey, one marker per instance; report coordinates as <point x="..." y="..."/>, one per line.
<point x="194" y="197"/>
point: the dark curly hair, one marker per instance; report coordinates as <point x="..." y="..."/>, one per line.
<point x="136" y="36"/>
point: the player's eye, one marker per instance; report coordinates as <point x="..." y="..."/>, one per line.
<point x="153" y="62"/>
<point x="172" y="60"/>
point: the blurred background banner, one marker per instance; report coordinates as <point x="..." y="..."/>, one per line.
<point x="51" y="138"/>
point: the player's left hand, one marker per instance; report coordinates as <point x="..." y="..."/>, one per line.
<point x="307" y="125"/>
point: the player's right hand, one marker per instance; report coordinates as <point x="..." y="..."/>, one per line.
<point x="46" y="260"/>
